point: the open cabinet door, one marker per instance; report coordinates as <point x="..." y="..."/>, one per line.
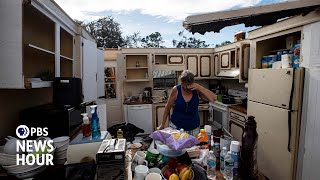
<point x="11" y="74"/>
<point x="89" y="76"/>
<point x="100" y="71"/>
<point x="244" y="62"/>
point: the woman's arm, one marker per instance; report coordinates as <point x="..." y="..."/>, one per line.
<point x="204" y="93"/>
<point x="170" y="103"/>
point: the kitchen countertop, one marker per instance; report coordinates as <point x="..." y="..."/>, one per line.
<point x="240" y="108"/>
<point x="138" y="102"/>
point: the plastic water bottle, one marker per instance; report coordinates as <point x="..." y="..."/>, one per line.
<point x="211" y="165"/>
<point x="228" y="166"/>
<point x="223" y="154"/>
<point x="235" y="154"/>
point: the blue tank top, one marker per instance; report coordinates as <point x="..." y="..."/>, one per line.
<point x="185" y="114"/>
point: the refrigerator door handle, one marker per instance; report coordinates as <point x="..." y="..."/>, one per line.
<point x="289" y="130"/>
<point x="292" y="88"/>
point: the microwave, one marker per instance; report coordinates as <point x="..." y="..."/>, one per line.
<point x="220" y="115"/>
<point x="60" y="120"/>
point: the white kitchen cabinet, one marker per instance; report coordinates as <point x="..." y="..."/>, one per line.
<point x="24" y="52"/>
<point x="175" y="59"/>
<point x="28" y="51"/>
<point x="159" y="110"/>
<point x="243" y="58"/>
<point x="89" y="76"/>
<point x="200" y="66"/>
<point x="225" y="60"/>
<point x="205" y="66"/>
<point x="216" y="63"/>
<point x="192" y="64"/>
<point x="100" y="73"/>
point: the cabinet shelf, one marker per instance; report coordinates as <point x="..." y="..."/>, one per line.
<point x="66" y="58"/>
<point x="137" y="68"/>
<point x="40" y="49"/>
<point x="137" y="80"/>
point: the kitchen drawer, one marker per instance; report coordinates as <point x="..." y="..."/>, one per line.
<point x="238" y="116"/>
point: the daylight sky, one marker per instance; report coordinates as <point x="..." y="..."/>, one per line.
<point x="164" y="16"/>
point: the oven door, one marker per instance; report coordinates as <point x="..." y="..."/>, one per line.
<point x="220" y="117"/>
<point x="236" y="130"/>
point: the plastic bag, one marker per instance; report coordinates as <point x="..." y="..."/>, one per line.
<point x="175" y="139"/>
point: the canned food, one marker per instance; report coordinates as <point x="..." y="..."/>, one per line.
<point x="272" y="58"/>
<point x="264" y="62"/>
<point x="279" y="53"/>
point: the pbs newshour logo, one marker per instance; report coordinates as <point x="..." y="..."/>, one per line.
<point x="22" y="131"/>
<point x="38" y="151"/>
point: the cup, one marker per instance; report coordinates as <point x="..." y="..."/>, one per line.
<point x="155" y="170"/>
<point x="140" y="158"/>
<point x="140" y="172"/>
<point x="153" y="176"/>
<point x="152" y="155"/>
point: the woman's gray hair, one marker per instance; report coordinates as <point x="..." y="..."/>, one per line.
<point x="186" y="77"/>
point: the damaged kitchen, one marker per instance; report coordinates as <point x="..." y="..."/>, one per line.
<point x="244" y="110"/>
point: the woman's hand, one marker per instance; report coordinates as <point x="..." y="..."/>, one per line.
<point x="194" y="86"/>
<point x="160" y="127"/>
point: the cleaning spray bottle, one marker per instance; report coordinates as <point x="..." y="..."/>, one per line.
<point x="95" y="126"/>
<point x="86" y="131"/>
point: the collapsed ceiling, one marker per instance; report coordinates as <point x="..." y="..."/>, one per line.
<point x="253" y="16"/>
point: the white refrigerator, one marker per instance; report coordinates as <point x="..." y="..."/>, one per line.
<point x="274" y="99"/>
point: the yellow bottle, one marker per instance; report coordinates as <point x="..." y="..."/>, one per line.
<point x="120" y="134"/>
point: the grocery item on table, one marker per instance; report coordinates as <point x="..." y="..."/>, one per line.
<point x="228" y="167"/>
<point x="203" y="137"/>
<point x="120" y="134"/>
<point x="222" y="157"/>
<point x="152" y="156"/>
<point x="167" y="151"/>
<point x="175" y="139"/>
<point x="179" y="172"/>
<point x="235" y="154"/>
<point x="211" y="165"/>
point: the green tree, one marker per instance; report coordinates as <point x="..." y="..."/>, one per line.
<point x="188" y="42"/>
<point x="107" y="32"/>
<point x="154" y="40"/>
<point x="134" y="40"/>
<point x="223" y="43"/>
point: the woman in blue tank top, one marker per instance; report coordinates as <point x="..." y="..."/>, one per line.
<point x="184" y="99"/>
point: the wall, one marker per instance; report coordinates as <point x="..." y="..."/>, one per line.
<point x="12" y="101"/>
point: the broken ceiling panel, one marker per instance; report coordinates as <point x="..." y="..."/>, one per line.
<point x="252" y="16"/>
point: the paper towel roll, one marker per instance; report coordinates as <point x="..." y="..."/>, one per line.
<point x="286" y="61"/>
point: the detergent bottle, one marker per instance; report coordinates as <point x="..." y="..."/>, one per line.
<point x="95" y="126"/>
